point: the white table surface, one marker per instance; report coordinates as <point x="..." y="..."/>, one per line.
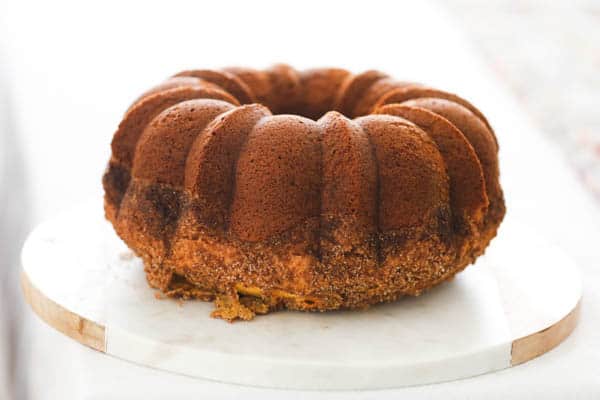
<point x="72" y="76"/>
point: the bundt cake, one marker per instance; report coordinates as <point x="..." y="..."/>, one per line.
<point x="306" y="190"/>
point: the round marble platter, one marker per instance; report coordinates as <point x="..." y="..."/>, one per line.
<point x="517" y="302"/>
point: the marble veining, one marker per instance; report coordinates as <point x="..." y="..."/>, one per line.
<point x="462" y="328"/>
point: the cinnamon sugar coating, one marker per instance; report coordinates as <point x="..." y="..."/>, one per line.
<point x="307" y="190"/>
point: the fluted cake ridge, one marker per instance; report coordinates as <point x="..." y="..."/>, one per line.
<point x="311" y="190"/>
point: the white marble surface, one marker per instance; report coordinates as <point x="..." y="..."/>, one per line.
<point x="461" y="328"/>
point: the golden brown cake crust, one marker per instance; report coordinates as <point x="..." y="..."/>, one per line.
<point x="226" y="200"/>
